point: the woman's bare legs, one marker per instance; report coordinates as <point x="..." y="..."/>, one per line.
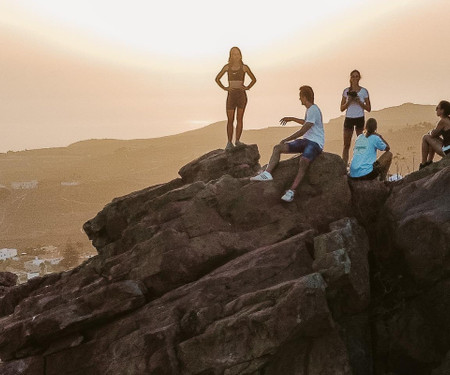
<point x="347" y="140"/>
<point x="430" y="146"/>
<point x="239" y="123"/>
<point x="230" y="120"/>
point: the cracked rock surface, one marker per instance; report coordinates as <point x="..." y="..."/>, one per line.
<point x="213" y="274"/>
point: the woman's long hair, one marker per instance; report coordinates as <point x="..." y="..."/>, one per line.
<point x="240" y="53"/>
<point x="445" y="106"/>
<point x="354" y="71"/>
<point x="371" y="127"/>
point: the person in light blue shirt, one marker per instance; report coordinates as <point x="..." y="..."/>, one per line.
<point x="364" y="165"/>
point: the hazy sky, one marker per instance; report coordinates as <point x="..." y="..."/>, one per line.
<point x="73" y="70"/>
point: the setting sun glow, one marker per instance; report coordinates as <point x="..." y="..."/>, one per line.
<point x="82" y="69"/>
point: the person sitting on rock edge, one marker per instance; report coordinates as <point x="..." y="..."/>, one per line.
<point x="310" y="146"/>
<point x="432" y="142"/>
<point x="364" y="165"/>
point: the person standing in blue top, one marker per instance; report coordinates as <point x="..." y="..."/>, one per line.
<point x="364" y="165"/>
<point x="355" y="100"/>
<point x="310" y="146"/>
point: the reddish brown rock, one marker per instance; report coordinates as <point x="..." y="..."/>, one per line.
<point x="214" y="274"/>
<point x="237" y="162"/>
<point x="8" y="279"/>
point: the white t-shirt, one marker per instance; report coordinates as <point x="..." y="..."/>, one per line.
<point x="365" y="154"/>
<point x="354" y="110"/>
<point x="316" y="132"/>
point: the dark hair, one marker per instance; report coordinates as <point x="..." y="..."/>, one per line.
<point x="445" y="106"/>
<point x="355" y="71"/>
<point x="371" y="126"/>
<point x="229" y="57"/>
<point x="308" y="93"/>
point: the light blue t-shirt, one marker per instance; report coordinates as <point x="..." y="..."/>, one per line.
<point x="315" y="133"/>
<point x="365" y="154"/>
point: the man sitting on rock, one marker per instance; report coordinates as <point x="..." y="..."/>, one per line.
<point x="364" y="165"/>
<point x="310" y="146"/>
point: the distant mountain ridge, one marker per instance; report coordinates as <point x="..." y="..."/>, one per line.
<point x="393" y="118"/>
<point x="390" y="118"/>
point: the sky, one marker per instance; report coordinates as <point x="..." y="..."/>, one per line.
<point x="75" y="70"/>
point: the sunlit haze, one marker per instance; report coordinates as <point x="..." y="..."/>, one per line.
<point x="73" y="70"/>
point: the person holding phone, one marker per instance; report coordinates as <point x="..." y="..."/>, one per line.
<point x="355" y="100"/>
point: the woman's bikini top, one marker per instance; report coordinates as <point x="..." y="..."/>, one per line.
<point x="236" y="75"/>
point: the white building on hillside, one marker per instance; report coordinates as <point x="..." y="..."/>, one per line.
<point x="33" y="266"/>
<point x="70" y="183"/>
<point x="7" y="253"/>
<point x="24" y="185"/>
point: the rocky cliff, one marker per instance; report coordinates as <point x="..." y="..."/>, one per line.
<point x="213" y="274"/>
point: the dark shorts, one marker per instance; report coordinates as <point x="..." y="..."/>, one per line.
<point x="236" y="99"/>
<point x="357" y="123"/>
<point x="309" y="149"/>
<point x="371" y="176"/>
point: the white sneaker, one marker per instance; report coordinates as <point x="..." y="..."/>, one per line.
<point x="263" y="176"/>
<point x="229" y="146"/>
<point x="288" y="196"/>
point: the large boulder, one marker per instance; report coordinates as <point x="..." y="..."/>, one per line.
<point x="411" y="269"/>
<point x="415" y="222"/>
<point x="212" y="273"/>
<point x="241" y="161"/>
<point x="196" y="273"/>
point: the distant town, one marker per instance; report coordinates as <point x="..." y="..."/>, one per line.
<point x="40" y="261"/>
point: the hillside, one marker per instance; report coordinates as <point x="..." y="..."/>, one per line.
<point x="212" y="273"/>
<point x="75" y="182"/>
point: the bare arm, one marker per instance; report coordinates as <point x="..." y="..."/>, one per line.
<point x="298" y="133"/>
<point x="252" y="77"/>
<point x="387" y="144"/>
<point x="220" y="75"/>
<point x="436" y="132"/>
<point x="285" y="120"/>
<point x="364" y="105"/>
<point x="344" y="103"/>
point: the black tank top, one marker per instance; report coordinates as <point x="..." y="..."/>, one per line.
<point x="236" y="75"/>
<point x="446" y="136"/>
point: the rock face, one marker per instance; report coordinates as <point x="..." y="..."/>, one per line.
<point x="412" y="273"/>
<point x="214" y="274"/>
<point x="7" y="280"/>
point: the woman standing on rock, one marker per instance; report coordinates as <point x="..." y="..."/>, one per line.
<point x="355" y="99"/>
<point x="438" y="140"/>
<point x="237" y="97"/>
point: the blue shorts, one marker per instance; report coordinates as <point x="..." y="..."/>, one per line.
<point x="309" y="149"/>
